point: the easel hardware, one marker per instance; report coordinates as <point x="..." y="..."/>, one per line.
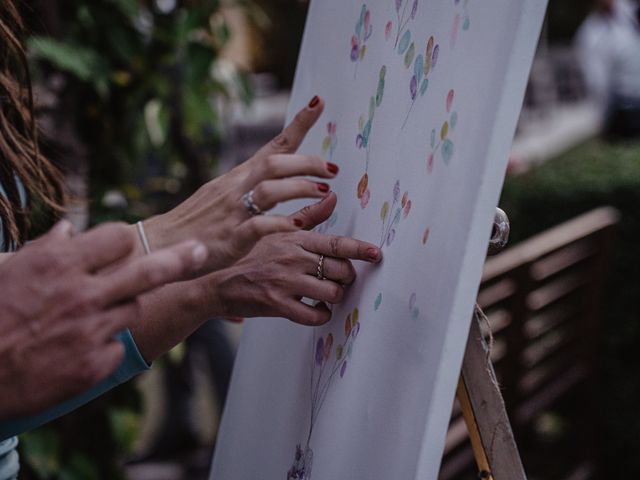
<point x="482" y="406"/>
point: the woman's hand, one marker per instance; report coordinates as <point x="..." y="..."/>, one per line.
<point x="283" y="268"/>
<point x="63" y="299"/>
<point x="218" y="214"/>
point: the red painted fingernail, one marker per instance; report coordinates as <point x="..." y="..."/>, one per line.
<point x="323" y="187"/>
<point x="297" y="222"/>
<point x="333" y="168"/>
<point x="372" y="253"/>
<point x="314" y="101"/>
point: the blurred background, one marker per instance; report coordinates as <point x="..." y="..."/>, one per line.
<point x="142" y="101"/>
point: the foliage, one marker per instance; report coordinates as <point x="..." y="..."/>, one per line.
<point x="142" y="87"/>
<point x="147" y="86"/>
<point x="592" y="175"/>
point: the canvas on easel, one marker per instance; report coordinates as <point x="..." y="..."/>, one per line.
<point x="422" y="99"/>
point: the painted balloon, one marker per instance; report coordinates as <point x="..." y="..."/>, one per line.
<point x="384" y="211"/>
<point x="378" y="302"/>
<point x="319" y="351"/>
<point x="450" y="96"/>
<point x="404" y="42"/>
<point x="408" y="57"/>
<point x="447" y="150"/>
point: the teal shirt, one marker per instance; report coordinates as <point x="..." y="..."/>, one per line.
<point x="132" y="365"/>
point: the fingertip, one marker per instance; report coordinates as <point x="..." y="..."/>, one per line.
<point x="316" y="103"/>
<point x="199" y="254"/>
<point x="374" y="254"/>
<point x="324" y="313"/>
<point x="62" y="228"/>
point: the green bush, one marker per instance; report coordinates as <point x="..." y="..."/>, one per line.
<point x="595" y="174"/>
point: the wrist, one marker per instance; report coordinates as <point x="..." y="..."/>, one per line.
<point x="204" y="298"/>
<point x="157" y="230"/>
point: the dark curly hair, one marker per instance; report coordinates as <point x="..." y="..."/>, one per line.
<point x="20" y="156"/>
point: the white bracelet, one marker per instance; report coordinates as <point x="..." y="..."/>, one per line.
<point x="143" y="238"/>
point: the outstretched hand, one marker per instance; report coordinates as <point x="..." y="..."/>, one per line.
<point x="217" y="213"/>
<point x="282" y="269"/>
<point x="64" y="297"/>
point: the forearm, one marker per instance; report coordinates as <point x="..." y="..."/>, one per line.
<point x="171" y="314"/>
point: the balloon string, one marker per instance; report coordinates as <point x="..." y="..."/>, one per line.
<point x="481" y="318"/>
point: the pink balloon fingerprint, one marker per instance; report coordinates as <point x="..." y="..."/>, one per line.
<point x="450" y="100"/>
<point x="454" y="29"/>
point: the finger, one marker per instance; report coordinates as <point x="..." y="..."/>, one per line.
<point x="269" y="193"/>
<point x="61" y="230"/>
<point x="156" y="269"/>
<point x="103" y="246"/>
<point x="313" y="215"/>
<point x="293" y="165"/>
<point x="316" y="289"/>
<point x="337" y="270"/>
<point x="289" y="140"/>
<point x="117" y="319"/>
<point x="303" y="314"/>
<point x="252" y="230"/>
<point x="341" y="247"/>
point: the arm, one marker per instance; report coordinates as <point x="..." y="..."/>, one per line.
<point x="132" y="365"/>
<point x="4" y="257"/>
<point x="270" y="281"/>
<point x="59" y="335"/>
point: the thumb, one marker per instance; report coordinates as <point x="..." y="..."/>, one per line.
<point x="313" y="215"/>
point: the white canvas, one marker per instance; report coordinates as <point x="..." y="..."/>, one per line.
<point x="430" y="122"/>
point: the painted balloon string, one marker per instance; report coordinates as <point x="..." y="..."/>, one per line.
<point x="392" y="213"/>
<point x="327" y="362"/>
<point x="363" y="140"/>
<point x="444" y="142"/>
<point x="422" y="68"/>
<point x="362" y="34"/>
<point x="461" y="19"/>
<point x="402" y="19"/>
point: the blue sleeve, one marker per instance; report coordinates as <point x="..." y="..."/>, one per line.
<point x="132" y="365"/>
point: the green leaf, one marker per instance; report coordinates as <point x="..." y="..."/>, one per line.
<point x="80" y="61"/>
<point x="41" y="451"/>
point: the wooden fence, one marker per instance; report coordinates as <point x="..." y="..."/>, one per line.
<point x="544" y="300"/>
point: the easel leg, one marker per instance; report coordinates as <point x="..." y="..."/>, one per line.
<point x="484" y="413"/>
<point x="494" y="447"/>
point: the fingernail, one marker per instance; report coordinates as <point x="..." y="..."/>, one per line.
<point x="199" y="255"/>
<point x="333" y="168"/>
<point x="373" y="253"/>
<point x="297" y="222"/>
<point x="323" y="187"/>
<point x="314" y="101"/>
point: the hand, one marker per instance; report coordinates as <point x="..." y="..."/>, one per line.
<point x="216" y="215"/>
<point x="63" y="299"/>
<point x="282" y="268"/>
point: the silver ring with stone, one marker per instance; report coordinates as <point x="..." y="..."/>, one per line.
<point x="250" y="205"/>
<point x="320" y="268"/>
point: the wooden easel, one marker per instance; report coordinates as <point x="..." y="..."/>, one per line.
<point x="481" y="402"/>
